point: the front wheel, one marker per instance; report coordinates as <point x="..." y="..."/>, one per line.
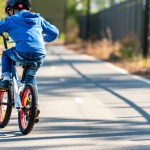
<point x="5" y="107"/>
<point x="26" y="117"/>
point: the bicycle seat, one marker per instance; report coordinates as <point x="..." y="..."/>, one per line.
<point x="28" y="63"/>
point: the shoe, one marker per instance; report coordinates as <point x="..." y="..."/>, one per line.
<point x="4" y="84"/>
<point x="37" y="116"/>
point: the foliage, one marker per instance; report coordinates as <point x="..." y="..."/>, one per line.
<point x="130" y="46"/>
<point x="72" y="8"/>
<point x="2" y="12"/>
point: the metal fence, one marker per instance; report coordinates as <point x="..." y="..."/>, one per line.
<point x="117" y="22"/>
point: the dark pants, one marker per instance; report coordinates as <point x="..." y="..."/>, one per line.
<point x="11" y="55"/>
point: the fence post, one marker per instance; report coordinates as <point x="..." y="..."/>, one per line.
<point x="88" y="19"/>
<point x="65" y="21"/>
<point x="146" y="29"/>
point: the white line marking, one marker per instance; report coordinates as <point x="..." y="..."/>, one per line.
<point x="141" y="79"/>
<point x="78" y="100"/>
<point x="118" y="69"/>
<point x="121" y="70"/>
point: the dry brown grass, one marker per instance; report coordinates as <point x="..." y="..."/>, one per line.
<point x="109" y="51"/>
<point x="103" y="49"/>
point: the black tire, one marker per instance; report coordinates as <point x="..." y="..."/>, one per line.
<point x="5" y="110"/>
<point x="26" y="117"/>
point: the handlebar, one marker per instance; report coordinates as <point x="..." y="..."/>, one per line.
<point x="5" y="39"/>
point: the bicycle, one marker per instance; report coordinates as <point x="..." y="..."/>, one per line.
<point x="22" y="97"/>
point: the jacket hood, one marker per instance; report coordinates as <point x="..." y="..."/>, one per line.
<point x="26" y="18"/>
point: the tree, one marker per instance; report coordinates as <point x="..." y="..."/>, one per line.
<point x="98" y="5"/>
<point x="76" y="7"/>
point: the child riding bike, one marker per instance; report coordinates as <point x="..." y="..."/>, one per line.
<point x="26" y="29"/>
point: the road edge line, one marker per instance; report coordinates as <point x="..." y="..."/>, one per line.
<point x="121" y="70"/>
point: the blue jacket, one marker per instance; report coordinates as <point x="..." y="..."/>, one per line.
<point x="26" y="29"/>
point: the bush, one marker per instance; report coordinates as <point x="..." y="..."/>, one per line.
<point x="71" y="31"/>
<point x="129" y="47"/>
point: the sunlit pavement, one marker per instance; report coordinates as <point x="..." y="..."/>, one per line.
<point x="86" y="104"/>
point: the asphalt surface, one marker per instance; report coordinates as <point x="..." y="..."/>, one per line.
<point x="86" y="104"/>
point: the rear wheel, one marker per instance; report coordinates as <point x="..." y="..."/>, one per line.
<point x="26" y="117"/>
<point x="5" y="107"/>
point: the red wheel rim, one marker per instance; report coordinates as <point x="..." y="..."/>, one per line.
<point x="1" y="118"/>
<point x="24" y="102"/>
<point x="22" y="119"/>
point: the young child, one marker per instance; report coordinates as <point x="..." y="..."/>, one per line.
<point x="26" y="29"/>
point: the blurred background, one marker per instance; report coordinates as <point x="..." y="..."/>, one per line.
<point x="108" y="29"/>
<point x="98" y="19"/>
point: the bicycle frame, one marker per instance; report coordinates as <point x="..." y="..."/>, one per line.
<point x="17" y="88"/>
<point x="21" y="96"/>
<point x="17" y="85"/>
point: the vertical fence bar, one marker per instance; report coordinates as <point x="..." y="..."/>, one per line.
<point x="146" y="29"/>
<point x="88" y="19"/>
<point x="122" y="19"/>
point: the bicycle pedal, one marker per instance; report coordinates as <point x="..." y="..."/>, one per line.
<point x="37" y="120"/>
<point x="37" y="116"/>
<point x="37" y="113"/>
<point x="18" y="108"/>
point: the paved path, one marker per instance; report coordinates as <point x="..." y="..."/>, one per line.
<point x="86" y="104"/>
